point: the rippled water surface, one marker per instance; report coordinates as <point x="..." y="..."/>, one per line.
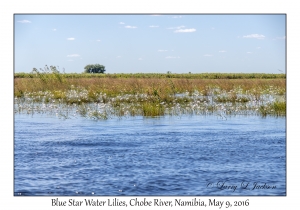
<point x="198" y="155"/>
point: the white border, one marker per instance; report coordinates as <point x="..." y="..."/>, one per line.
<point x="8" y="8"/>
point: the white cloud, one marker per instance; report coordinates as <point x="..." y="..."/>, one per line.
<point x="178" y="27"/>
<point x="122" y="23"/>
<point x="98" y="40"/>
<point x="130" y="27"/>
<point x="212" y="28"/>
<point x="207" y="55"/>
<point x="249" y="52"/>
<point x="162" y="50"/>
<point x="152" y="26"/>
<point x="24" y="21"/>
<point x="140" y="59"/>
<point x="71" y="39"/>
<point x="177" y="17"/>
<point x="54" y="29"/>
<point x="255" y="36"/>
<point x="172" y="57"/>
<point x="222" y="51"/>
<point x="73" y="55"/>
<point x="188" y="30"/>
<point x="118" y="56"/>
<point x="70" y="60"/>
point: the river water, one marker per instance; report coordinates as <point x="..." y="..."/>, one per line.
<point x="187" y="155"/>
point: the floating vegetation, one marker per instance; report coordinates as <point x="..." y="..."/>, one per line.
<point x="75" y="103"/>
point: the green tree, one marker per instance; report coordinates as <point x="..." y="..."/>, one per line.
<point x="94" y="68"/>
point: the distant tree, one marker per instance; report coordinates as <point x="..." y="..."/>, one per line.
<point x="94" y="68"/>
<point x="169" y="74"/>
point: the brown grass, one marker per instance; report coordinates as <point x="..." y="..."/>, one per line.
<point x="152" y="86"/>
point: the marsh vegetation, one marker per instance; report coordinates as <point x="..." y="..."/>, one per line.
<point x="102" y="96"/>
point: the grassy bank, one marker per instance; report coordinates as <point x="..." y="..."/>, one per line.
<point x="151" y="86"/>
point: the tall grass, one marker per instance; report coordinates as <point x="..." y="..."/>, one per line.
<point x="277" y="108"/>
<point x="152" y="109"/>
<point x="151" y="86"/>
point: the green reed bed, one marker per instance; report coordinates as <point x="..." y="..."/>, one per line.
<point x="145" y="105"/>
<point x="104" y="97"/>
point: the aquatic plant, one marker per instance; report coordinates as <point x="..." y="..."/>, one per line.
<point x="102" y="98"/>
<point x="152" y="109"/>
<point x="150" y="105"/>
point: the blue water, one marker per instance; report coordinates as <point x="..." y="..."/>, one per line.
<point x="198" y="155"/>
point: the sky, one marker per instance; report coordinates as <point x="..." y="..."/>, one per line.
<point x="151" y="43"/>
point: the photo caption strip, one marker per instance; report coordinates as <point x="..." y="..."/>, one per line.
<point x="152" y="202"/>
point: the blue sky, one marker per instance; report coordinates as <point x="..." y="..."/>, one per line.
<point x="179" y="43"/>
